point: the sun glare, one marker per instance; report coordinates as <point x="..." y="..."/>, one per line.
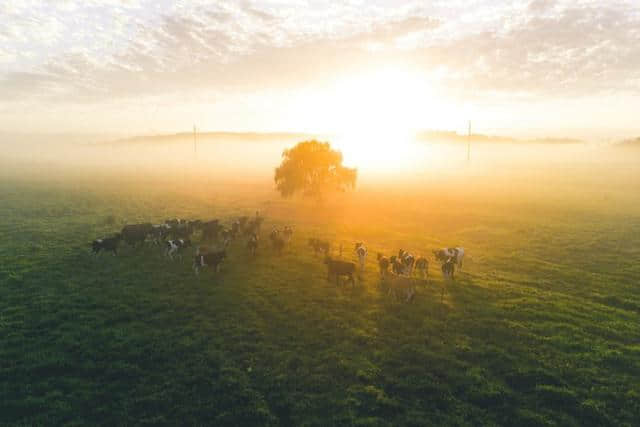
<point x="376" y="115"/>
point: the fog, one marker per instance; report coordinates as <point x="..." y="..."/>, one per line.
<point x="551" y="171"/>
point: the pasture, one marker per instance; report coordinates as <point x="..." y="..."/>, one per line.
<point x="541" y="327"/>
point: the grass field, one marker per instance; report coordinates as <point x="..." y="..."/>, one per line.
<point x="542" y="326"/>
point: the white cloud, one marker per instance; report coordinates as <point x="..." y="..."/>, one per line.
<point x="101" y="50"/>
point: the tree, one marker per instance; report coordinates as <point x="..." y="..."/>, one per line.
<point x="314" y="169"/>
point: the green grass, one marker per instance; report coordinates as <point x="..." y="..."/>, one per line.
<point x="542" y="327"/>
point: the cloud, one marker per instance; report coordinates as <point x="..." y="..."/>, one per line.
<point x="541" y="5"/>
<point x="109" y="49"/>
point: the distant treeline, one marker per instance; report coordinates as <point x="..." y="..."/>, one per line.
<point x="215" y="136"/>
<point x="629" y="143"/>
<point x="451" y="136"/>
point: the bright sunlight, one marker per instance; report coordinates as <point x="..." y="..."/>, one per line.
<point x="376" y="114"/>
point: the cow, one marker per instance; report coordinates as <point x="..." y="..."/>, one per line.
<point x="176" y="246"/>
<point x="274" y="234"/>
<point x="400" y="286"/>
<point x="319" y="246"/>
<point x="211" y="229"/>
<point x="396" y="265"/>
<point x="226" y="237"/>
<point x="202" y="249"/>
<point x="212" y="260"/>
<point x="383" y="263"/>
<point x="361" y="251"/>
<point x="448" y="268"/>
<point x="172" y="222"/>
<point x="181" y="231"/>
<point x="252" y="244"/>
<point x="313" y="244"/>
<point x="277" y="240"/>
<point x="235" y="229"/>
<point x="337" y="268"/>
<point x="159" y="232"/>
<point x="106" y="244"/>
<point x="422" y="266"/>
<point x="135" y="234"/>
<point x="287" y="233"/>
<point x="407" y="260"/>
<point x="176" y="222"/>
<point x="194" y="225"/>
<point x="444" y="254"/>
<point x="254" y="225"/>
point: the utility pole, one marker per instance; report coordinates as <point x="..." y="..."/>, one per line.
<point x="469" y="142"/>
<point x="195" y="151"/>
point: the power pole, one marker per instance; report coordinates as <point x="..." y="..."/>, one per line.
<point x="195" y="151"/>
<point x="469" y="142"/>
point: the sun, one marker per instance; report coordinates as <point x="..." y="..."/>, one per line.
<point x="376" y="114"/>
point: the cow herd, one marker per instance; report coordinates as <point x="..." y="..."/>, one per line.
<point x="174" y="236"/>
<point x="397" y="271"/>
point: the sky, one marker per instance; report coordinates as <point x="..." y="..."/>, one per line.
<point x="566" y="68"/>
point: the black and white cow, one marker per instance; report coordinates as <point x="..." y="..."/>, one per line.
<point x="106" y="244"/>
<point x="407" y="260"/>
<point x="444" y="254"/>
<point x="176" y="247"/>
<point x="159" y="232"/>
<point x="448" y="268"/>
<point x="361" y="252"/>
<point x="211" y="260"/>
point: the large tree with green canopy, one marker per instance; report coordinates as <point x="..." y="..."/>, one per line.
<point x="313" y="169"/>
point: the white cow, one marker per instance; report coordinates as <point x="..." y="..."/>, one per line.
<point x="444" y="254"/>
<point x="361" y="251"/>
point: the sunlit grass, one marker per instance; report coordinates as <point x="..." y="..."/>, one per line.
<point x="539" y="328"/>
